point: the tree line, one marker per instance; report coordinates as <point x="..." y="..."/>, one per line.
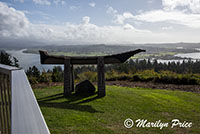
<point x="186" y="66"/>
<point x="133" y="69"/>
<point x="119" y="71"/>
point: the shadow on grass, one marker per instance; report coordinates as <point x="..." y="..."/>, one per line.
<point x="70" y="102"/>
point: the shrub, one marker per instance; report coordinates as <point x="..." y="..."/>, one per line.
<point x="45" y="77"/>
<point x="33" y="71"/>
<point x="135" y="78"/>
<point x="33" y="80"/>
<point x="57" y="74"/>
<point x="166" y="77"/>
<point x="91" y="76"/>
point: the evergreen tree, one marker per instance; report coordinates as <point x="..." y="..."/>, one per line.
<point x="57" y="74"/>
<point x="7" y="59"/>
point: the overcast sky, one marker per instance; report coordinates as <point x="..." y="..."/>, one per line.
<point x="103" y="21"/>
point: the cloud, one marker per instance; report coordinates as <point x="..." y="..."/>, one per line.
<point x="150" y="1"/>
<point x="42" y="2"/>
<point x="128" y="27"/>
<point x="174" y="17"/>
<point x="120" y="18"/>
<point x="92" y="4"/>
<point x="179" y="17"/>
<point x="111" y="10"/>
<point x="86" y="20"/>
<point x="15" y="26"/>
<point x="26" y="12"/>
<point x="62" y="2"/>
<point x="22" y="1"/>
<point x="13" y="22"/>
<point x="167" y="28"/>
<point x="74" y="7"/>
<point x="192" y="5"/>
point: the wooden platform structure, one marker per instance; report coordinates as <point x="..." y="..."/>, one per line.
<point x="69" y="61"/>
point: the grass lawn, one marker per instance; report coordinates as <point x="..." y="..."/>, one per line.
<point x="92" y="115"/>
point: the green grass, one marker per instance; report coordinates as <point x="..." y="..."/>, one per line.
<point x="92" y="115"/>
<point x="146" y="56"/>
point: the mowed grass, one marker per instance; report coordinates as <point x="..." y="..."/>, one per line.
<point x="93" y="115"/>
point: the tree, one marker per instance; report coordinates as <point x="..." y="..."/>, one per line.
<point x="33" y="71"/>
<point x="57" y="75"/>
<point x="36" y="72"/>
<point x="7" y="59"/>
<point x="33" y="74"/>
<point x="45" y="77"/>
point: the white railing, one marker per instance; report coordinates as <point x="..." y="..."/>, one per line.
<point x="19" y="110"/>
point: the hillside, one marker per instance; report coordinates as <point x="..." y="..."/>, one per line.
<point x="111" y="49"/>
<point x="89" y="114"/>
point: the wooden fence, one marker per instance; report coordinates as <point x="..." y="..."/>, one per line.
<point x="5" y="103"/>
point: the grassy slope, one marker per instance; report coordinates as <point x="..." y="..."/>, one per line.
<point x="106" y="115"/>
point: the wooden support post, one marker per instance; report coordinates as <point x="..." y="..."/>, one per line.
<point x="67" y="78"/>
<point x="101" y="77"/>
<point x="72" y="78"/>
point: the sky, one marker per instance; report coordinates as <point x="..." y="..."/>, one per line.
<point x="66" y="22"/>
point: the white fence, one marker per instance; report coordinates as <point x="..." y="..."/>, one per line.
<point x="19" y="110"/>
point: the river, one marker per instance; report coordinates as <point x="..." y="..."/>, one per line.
<point x="195" y="56"/>
<point x="27" y="60"/>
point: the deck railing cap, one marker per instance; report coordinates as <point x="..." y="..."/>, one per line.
<point x="7" y="69"/>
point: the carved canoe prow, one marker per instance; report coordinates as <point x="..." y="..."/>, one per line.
<point x="109" y="59"/>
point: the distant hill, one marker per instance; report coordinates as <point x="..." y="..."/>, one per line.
<point x="101" y="49"/>
<point x="112" y="49"/>
<point x="39" y="44"/>
<point x="86" y="49"/>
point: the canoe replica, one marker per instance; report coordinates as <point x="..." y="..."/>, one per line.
<point x="69" y="61"/>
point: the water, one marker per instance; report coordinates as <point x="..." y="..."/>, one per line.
<point x="27" y="60"/>
<point x="197" y="49"/>
<point x="189" y="55"/>
<point x="167" y="61"/>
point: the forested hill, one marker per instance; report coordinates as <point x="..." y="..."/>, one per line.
<point x="79" y="49"/>
<point x="97" y="49"/>
<point x="110" y="49"/>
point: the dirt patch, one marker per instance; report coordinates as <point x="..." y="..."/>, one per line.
<point x="44" y="85"/>
<point x="188" y="88"/>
